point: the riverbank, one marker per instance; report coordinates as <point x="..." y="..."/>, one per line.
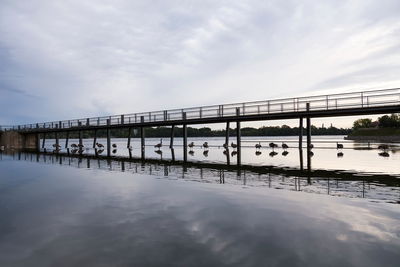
<point x="375" y="134"/>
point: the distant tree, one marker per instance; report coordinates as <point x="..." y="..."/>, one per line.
<point x="389" y="121"/>
<point x="362" y="123"/>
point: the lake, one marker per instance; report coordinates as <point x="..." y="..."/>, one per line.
<point x="83" y="210"/>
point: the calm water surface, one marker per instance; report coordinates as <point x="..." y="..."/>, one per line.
<point x="53" y="214"/>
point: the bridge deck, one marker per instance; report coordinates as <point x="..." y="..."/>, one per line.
<point x="348" y="104"/>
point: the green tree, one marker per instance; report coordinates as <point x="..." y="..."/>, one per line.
<point x="362" y="123"/>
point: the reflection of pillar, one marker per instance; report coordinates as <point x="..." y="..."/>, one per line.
<point x="44" y="140"/>
<point x="66" y="139"/>
<point x="238" y="139"/>
<point x="172" y="154"/>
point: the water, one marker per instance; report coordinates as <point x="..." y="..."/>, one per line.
<point x="81" y="210"/>
<point x="356" y="156"/>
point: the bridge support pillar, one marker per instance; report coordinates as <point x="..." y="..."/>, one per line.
<point x="142" y="143"/>
<point x="184" y="138"/>
<point x="227" y="134"/>
<point x="66" y="140"/>
<point x="301" y="133"/>
<point x="80" y="138"/>
<point x="129" y="138"/>
<point x="44" y="140"/>
<point x="108" y="139"/>
<point x="238" y="139"/>
<point x="57" y="140"/>
<point x="95" y="139"/>
<point x="171" y="140"/>
<point x="308" y="140"/>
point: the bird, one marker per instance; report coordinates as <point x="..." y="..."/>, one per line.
<point x="56" y="146"/>
<point x="225" y="152"/>
<point x="285" y="146"/>
<point x="311" y="153"/>
<point x="258" y="146"/>
<point x="73" y="151"/>
<point x="340" y="154"/>
<point x="384" y="154"/>
<point x="233" y="145"/>
<point x="258" y="153"/>
<point x="233" y="153"/>
<point x="191" y="145"/>
<point x="80" y="146"/>
<point x="273" y="145"/>
<point x="130" y="147"/>
<point x="159" y="145"/>
<point x="205" y="153"/>
<point x="205" y="145"/>
<point x="225" y="146"/>
<point x="74" y="145"/>
<point x="339" y="146"/>
<point x="273" y="154"/>
<point x="114" y="145"/>
<point x="114" y="151"/>
<point x="285" y="153"/>
<point x="383" y="147"/>
<point x="99" y="145"/>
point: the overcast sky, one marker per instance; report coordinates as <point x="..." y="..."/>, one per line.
<point x="71" y="59"/>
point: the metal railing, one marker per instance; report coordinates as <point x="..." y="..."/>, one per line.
<point x="366" y="99"/>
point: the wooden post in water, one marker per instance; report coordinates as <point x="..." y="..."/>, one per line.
<point x="66" y="139"/>
<point x="142" y="139"/>
<point x="308" y="139"/>
<point x="171" y="140"/>
<point x="129" y="137"/>
<point x="301" y="133"/>
<point x="227" y="134"/>
<point x="238" y="139"/>
<point x="95" y="139"/>
<point x="184" y="138"/>
<point x="108" y="139"/>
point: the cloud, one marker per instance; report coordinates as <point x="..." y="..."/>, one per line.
<point x="103" y="57"/>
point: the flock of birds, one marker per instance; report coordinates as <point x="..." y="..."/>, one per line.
<point x="99" y="148"/>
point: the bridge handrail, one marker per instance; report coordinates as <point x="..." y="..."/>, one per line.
<point x="371" y="98"/>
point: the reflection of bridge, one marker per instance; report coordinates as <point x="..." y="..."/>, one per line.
<point x="380" y="187"/>
<point x="348" y="104"/>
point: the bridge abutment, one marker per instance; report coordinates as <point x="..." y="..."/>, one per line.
<point x="17" y="140"/>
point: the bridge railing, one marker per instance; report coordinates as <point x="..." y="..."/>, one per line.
<point x="366" y="99"/>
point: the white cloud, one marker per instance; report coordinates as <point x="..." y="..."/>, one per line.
<point x="77" y="59"/>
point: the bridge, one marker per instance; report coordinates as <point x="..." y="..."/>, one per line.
<point x="370" y="102"/>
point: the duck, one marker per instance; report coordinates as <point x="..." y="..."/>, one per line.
<point x="339" y="146"/>
<point x="74" y="145"/>
<point x="114" y="145"/>
<point x="233" y="145"/>
<point x="273" y="145"/>
<point x="99" y="145"/>
<point x="234" y="153"/>
<point x="191" y="145"/>
<point x="258" y="153"/>
<point x="130" y="147"/>
<point x="225" y="146"/>
<point x="159" y="145"/>
<point x="285" y="153"/>
<point x="273" y="154"/>
<point x="258" y="146"/>
<point x="285" y="146"/>
<point x="205" y="145"/>
<point x="340" y="154"/>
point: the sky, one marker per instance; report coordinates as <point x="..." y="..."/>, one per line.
<point x="75" y="59"/>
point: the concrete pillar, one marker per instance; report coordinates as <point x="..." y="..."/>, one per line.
<point x="227" y="134"/>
